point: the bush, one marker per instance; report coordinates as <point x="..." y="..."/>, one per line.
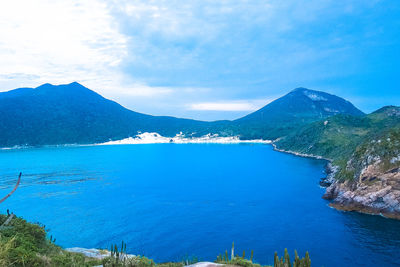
<point x="26" y="244"/>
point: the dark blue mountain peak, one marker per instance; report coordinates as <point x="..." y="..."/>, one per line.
<point x="300" y="106"/>
<point x="76" y="84"/>
<point x="45" y="85"/>
<point x="71" y="90"/>
<point x="312" y="94"/>
<point x="53" y="86"/>
<point x="300" y="89"/>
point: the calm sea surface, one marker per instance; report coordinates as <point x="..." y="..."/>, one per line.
<point x="171" y="201"/>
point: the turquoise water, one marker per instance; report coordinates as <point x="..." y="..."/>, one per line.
<point x="170" y="201"/>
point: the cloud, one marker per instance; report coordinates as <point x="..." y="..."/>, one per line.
<point x="59" y="41"/>
<point x="234" y="43"/>
<point x="143" y="90"/>
<point x="242" y="105"/>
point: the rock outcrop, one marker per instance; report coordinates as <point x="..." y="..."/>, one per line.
<point x="370" y="181"/>
<point x="373" y="193"/>
<point x="330" y="171"/>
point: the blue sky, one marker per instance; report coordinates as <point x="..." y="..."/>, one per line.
<point x="205" y="59"/>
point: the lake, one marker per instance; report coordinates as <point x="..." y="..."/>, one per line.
<point x="173" y="201"/>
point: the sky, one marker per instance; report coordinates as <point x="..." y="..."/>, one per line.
<point x="205" y="59"/>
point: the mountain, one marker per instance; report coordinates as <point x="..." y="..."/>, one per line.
<point x="337" y="137"/>
<point x="71" y="113"/>
<point x="297" y="108"/>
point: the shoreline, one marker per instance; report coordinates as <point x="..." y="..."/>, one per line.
<point x="303" y="155"/>
<point x="364" y="210"/>
<point x="334" y="192"/>
<point x="155" y="138"/>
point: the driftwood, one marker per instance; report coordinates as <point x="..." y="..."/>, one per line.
<point x="15" y="188"/>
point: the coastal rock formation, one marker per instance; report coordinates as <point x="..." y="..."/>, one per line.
<point x="374" y="193"/>
<point x="330" y="171"/>
<point x="370" y="181"/>
<point x="364" y="155"/>
<point x="90" y="252"/>
<point x="205" y="264"/>
<point x="95" y="253"/>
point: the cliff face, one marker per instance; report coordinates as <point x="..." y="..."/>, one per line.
<point x="375" y="193"/>
<point x="373" y="178"/>
<point x="365" y="159"/>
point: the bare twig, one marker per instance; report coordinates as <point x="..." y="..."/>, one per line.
<point x="15" y="188"/>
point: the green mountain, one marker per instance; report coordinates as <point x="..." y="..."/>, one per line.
<point x="73" y="114"/>
<point x="298" y="108"/>
<point x="344" y="137"/>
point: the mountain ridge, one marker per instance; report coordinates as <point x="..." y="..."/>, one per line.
<point x="294" y="110"/>
<point x="65" y="114"/>
<point x="310" y="101"/>
<point x="72" y="113"/>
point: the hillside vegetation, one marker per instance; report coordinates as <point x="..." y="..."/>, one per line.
<point x="299" y="107"/>
<point x="73" y="114"/>
<point x="352" y="142"/>
<point x="26" y="244"/>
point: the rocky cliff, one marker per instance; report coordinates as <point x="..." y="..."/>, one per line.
<point x="373" y="178"/>
<point x="364" y="151"/>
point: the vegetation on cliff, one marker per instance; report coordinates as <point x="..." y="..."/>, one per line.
<point x="351" y="142"/>
<point x="298" y="108"/>
<point x="237" y="260"/>
<point x="26" y="244"/>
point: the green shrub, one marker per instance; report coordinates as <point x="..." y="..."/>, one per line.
<point x="26" y="244"/>
<point x="278" y="262"/>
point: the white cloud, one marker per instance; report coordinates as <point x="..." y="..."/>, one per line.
<point x="132" y="89"/>
<point x="242" y="105"/>
<point x="58" y="41"/>
<point x="176" y="19"/>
